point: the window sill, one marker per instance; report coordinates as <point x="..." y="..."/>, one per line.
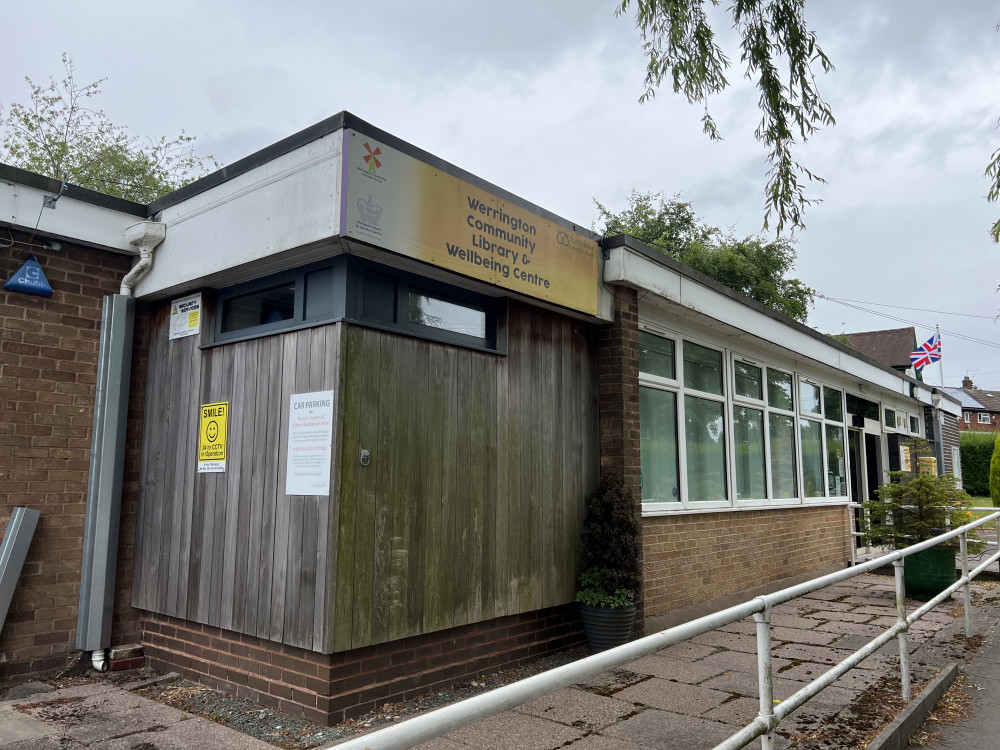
<point x="649" y="512"/>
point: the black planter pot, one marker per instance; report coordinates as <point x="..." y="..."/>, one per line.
<point x="929" y="572"/>
<point x="605" y="627"/>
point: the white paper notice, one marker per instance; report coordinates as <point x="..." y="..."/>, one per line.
<point x="310" y="443"/>
<point x="185" y="316"/>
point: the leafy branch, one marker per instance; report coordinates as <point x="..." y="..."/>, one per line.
<point x="678" y="41"/>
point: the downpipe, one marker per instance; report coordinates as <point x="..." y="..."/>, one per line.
<point x="98" y="660"/>
<point x="145" y="235"/>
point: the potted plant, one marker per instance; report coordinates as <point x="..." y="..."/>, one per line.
<point x="914" y="507"/>
<point x="612" y="568"/>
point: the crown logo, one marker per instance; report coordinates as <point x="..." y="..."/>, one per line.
<point x="370" y="211"/>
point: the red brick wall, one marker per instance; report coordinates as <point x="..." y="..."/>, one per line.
<point x="695" y="558"/>
<point x="48" y="368"/>
<point x="326" y="689"/>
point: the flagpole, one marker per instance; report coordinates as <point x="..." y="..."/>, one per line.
<point x="940" y="359"/>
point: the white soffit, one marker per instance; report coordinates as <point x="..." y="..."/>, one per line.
<point x="71" y="220"/>
<point x="288" y="202"/>
<point x="627" y="267"/>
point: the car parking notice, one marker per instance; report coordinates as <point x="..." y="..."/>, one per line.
<point x="213" y="428"/>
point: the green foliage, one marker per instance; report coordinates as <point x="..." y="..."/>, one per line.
<point x="977" y="452"/>
<point x="58" y="135"/>
<point x="751" y="265"/>
<point x="611" y="546"/>
<point x="915" y="507"/>
<point x="679" y="44"/>
<point x="995" y="475"/>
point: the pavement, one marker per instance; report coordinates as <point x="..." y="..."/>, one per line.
<point x="692" y="695"/>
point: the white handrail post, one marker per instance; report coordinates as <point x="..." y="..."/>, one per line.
<point x="765" y="677"/>
<point x="904" y="647"/>
<point x="963" y="544"/>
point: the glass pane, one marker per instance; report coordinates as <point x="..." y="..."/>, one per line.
<point x="836" y="472"/>
<point x="833" y="406"/>
<point x="705" y="443"/>
<point x="259" y="308"/>
<point x="779" y="390"/>
<point x="656" y="355"/>
<point x="783" y="473"/>
<point x="319" y="294"/>
<point x="748" y="381"/>
<point x="812" y="458"/>
<point x="702" y="368"/>
<point x="914" y="425"/>
<point x="890" y="418"/>
<point x="809" y="394"/>
<point x="427" y="310"/>
<point x="748" y="434"/>
<point x="658" y="445"/>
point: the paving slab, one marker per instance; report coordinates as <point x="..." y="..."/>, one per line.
<point x="16" y="726"/>
<point x="512" y="730"/>
<point x="674" y="696"/>
<point x="690" y="672"/>
<point x="578" y="708"/>
<point x="670" y="731"/>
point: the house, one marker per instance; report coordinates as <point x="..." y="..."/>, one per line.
<point x="329" y="444"/>
<point x="980" y="407"/>
<point x="891" y="347"/>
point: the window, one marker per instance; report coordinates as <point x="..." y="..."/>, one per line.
<point x="718" y="430"/>
<point x="967" y="415"/>
<point x="658" y="445"/>
<point x="348" y="288"/>
<point x="656" y="356"/>
<point x="426" y="309"/>
<point x="915" y="425"/>
<point x="809" y="397"/>
<point x="984" y="417"/>
<point x="890" y="418"/>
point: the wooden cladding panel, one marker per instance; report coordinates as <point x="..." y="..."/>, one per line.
<point x="471" y="505"/>
<point x="231" y="549"/>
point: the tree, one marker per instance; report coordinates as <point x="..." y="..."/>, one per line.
<point x="679" y="44"/>
<point x="752" y="265"/>
<point x="993" y="175"/>
<point x="57" y="134"/>
<point x="995" y="474"/>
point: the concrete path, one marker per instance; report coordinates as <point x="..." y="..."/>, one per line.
<point x="103" y="715"/>
<point x="692" y="695"/>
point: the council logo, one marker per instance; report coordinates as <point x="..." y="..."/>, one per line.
<point x="371" y="158"/>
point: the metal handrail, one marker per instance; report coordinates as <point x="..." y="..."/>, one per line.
<point x="449" y="718"/>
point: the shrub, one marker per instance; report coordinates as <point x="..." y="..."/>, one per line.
<point x="995" y="474"/>
<point x="977" y="453"/>
<point x="611" y="546"/>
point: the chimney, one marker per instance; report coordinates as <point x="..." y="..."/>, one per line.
<point x="967" y="382"/>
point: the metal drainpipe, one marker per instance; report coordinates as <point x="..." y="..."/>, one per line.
<point x="107" y="453"/>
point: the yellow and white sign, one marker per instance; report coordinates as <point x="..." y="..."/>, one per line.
<point x="410" y="207"/>
<point x="212" y="431"/>
<point x="185" y="316"/>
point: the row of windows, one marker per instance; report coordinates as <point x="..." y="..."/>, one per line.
<point x="348" y="288"/>
<point x="717" y="428"/>
<point x="983" y="417"/>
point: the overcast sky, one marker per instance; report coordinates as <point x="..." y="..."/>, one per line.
<point x="541" y="98"/>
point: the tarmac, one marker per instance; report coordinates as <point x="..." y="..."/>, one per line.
<point x="691" y="695"/>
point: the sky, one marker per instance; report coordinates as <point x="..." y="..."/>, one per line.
<point x="542" y="99"/>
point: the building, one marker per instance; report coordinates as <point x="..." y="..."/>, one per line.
<point x="980" y="408"/>
<point x="891" y="347"/>
<point x="348" y="403"/>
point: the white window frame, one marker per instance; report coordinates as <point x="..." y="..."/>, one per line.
<point x="968" y="417"/>
<point x="984" y="414"/>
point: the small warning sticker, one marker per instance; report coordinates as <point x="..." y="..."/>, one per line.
<point x="213" y="428"/>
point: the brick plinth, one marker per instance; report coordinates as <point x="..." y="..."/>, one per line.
<point x="691" y="559"/>
<point x="327" y="689"/>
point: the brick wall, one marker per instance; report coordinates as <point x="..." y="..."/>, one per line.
<point x="48" y="368"/>
<point x="326" y="689"/>
<point x="691" y="559"/>
<point x="618" y="378"/>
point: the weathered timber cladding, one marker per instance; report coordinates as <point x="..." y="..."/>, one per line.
<point x="231" y="549"/>
<point x="470" y="507"/>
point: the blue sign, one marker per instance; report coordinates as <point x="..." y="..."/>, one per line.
<point x="29" y="279"/>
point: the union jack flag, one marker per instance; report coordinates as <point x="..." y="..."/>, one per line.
<point x="929" y="351"/>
